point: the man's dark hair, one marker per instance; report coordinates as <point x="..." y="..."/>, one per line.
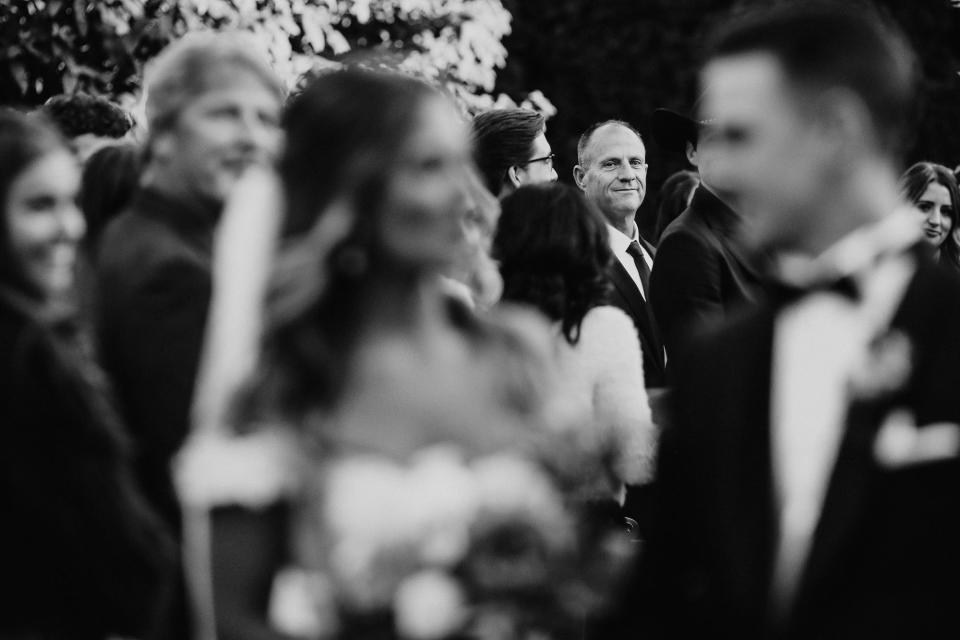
<point x="82" y="113"/>
<point x="503" y="138"/>
<point x="829" y="44"/>
<point x="586" y="135"/>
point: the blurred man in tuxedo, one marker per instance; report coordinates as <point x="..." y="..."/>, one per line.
<point x="811" y="479"/>
<point x="612" y="173"/>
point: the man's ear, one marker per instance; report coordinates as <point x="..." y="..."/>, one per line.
<point x="578" y="175"/>
<point x="161" y="147"/>
<point x="844" y="122"/>
<point x="513" y="176"/>
<point x="691" y="152"/>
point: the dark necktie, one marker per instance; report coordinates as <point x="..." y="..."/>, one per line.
<point x="637" y="254"/>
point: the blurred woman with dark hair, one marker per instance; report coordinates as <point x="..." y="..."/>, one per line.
<point x="82" y="556"/>
<point x="932" y="190"/>
<point x="110" y="177"/>
<point x="554" y="255"/>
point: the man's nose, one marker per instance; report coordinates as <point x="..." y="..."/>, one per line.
<point x="626" y="173"/>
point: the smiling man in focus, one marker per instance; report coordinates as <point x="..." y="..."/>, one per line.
<point x="612" y="173"/>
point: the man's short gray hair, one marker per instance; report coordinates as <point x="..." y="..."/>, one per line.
<point x="192" y="65"/>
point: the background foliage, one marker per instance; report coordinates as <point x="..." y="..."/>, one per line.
<point x="594" y="59"/>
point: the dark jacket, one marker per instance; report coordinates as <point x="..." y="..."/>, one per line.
<point x="626" y="296"/>
<point x="884" y="559"/>
<point x="82" y="556"/>
<point x="154" y="284"/>
<point x="700" y="276"/>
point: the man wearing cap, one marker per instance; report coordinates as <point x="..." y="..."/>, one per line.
<point x="701" y="274"/>
<point x="213" y="109"/>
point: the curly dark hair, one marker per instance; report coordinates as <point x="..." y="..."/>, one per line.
<point x="82" y="113"/>
<point x="554" y="254"/>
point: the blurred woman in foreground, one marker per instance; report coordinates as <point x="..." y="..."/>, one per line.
<point x="82" y="556"/>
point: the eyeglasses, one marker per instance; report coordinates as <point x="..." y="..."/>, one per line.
<point x="547" y="158"/>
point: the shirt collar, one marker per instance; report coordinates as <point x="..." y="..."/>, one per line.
<point x="619" y="241"/>
<point x="855" y="252"/>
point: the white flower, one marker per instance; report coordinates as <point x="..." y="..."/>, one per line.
<point x="428" y="606"/>
<point x="441" y="495"/>
<point x="514" y="488"/>
<point x="365" y="501"/>
<point x="302" y="604"/>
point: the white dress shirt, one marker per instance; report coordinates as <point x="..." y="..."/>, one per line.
<point x="818" y="341"/>
<point x="619" y="242"/>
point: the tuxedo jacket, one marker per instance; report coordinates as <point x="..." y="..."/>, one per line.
<point x="884" y="560"/>
<point x="154" y="283"/>
<point x="700" y="276"/>
<point x="626" y="296"/>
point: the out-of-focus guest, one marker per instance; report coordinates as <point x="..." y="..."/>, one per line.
<point x="475" y="277"/>
<point x="510" y="148"/>
<point x="612" y="173"/>
<point x="89" y="122"/>
<point x="674" y="197"/>
<point x="363" y="353"/>
<point x="111" y="176"/>
<point x="701" y="274"/>
<point x="554" y="255"/>
<point x="807" y="483"/>
<point x="109" y="179"/>
<point x="932" y="190"/>
<point x="213" y="107"/>
<point x="82" y="555"/>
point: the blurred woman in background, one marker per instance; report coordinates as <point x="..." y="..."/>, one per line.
<point x="554" y="255"/>
<point x="82" y="556"/>
<point x="932" y="190"/>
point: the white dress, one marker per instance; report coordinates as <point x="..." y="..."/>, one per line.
<point x="602" y="376"/>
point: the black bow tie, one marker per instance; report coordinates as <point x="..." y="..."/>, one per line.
<point x="783" y="293"/>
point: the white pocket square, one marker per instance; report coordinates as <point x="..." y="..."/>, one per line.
<point x="901" y="443"/>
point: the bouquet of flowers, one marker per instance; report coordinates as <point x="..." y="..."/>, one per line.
<point x="492" y="548"/>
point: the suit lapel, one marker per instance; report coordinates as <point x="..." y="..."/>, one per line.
<point x="649" y="336"/>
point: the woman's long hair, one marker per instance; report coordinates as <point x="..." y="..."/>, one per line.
<point x="345" y="133"/>
<point x="913" y="184"/>
<point x="554" y="254"/>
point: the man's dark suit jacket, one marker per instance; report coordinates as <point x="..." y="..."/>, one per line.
<point x="626" y="296"/>
<point x="154" y="282"/>
<point x="885" y="557"/>
<point x="699" y="276"/>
